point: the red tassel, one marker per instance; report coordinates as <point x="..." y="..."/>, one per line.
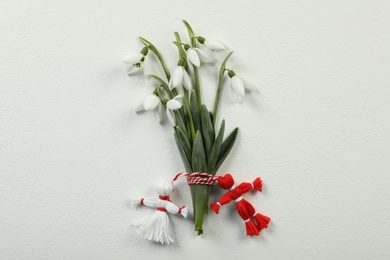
<point x="245" y="209"/>
<point x="254" y="222"/>
<point x="248" y="206"/>
<point x="215" y="207"/>
<point x="251" y="228"/>
<point x="261" y="220"/>
<point x="258" y="184"/>
<point x="226" y="182"/>
<point x="244" y="187"/>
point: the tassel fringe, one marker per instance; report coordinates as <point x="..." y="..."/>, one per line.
<point x="251" y="228"/>
<point x="258" y="184"/>
<point x="261" y="220"/>
<point x="156" y="228"/>
<point x="215" y="207"/>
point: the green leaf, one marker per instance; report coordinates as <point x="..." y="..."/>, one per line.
<point x="185" y="142"/>
<point x="207" y="129"/>
<point x="199" y="193"/>
<point x="198" y="154"/>
<point x="200" y="200"/>
<point x="180" y="121"/>
<point x="215" y="150"/>
<point x="186" y="162"/>
<point x="191" y="34"/>
<point x="195" y="110"/>
<point x="226" y="147"/>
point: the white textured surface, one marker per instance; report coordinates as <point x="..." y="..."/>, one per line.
<point x="72" y="150"/>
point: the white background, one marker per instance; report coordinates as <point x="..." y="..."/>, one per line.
<point x="72" y="149"/>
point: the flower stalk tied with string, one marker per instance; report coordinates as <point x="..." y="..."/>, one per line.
<point x="201" y="147"/>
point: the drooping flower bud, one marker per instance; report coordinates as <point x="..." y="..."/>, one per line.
<point x="237" y="87"/>
<point x="180" y="77"/>
<point x="153" y="103"/>
<point x="214" y="45"/>
<point x="193" y="57"/>
<point x="172" y="105"/>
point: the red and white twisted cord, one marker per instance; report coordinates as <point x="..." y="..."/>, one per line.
<point x="198" y="178"/>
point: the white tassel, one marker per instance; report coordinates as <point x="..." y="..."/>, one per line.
<point x="164" y="189"/>
<point x="157" y="227"/>
<point x="173" y="209"/>
<point x="184" y="211"/>
<point x="137" y="200"/>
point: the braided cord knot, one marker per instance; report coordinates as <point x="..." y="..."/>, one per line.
<point x="201" y="178"/>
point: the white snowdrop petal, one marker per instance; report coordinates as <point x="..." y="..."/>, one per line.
<point x="193" y="57"/>
<point x="150" y="102"/>
<point x="132" y="58"/>
<point x="170" y="84"/>
<point x="131" y="69"/>
<point x="179" y="98"/>
<point x="171" y="117"/>
<point x="249" y="85"/>
<point x="187" y="81"/>
<point x="214" y="45"/>
<point x="237" y="98"/>
<point x="148" y="68"/>
<point x="174" y="104"/>
<point x="204" y="56"/>
<point x="177" y="76"/>
<point x="238" y="86"/>
<point x="140" y="108"/>
<point x="158" y="113"/>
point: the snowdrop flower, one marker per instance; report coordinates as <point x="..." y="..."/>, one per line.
<point x="134" y="61"/>
<point x="180" y="77"/>
<point x="238" y="87"/>
<point x="152" y="103"/>
<point x="172" y="105"/>
<point x="193" y="57"/>
<point x="212" y="44"/>
<point x="196" y="55"/>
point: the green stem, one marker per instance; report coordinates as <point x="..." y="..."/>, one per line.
<point x="188" y="113"/>
<point x="197" y="85"/>
<point x="170" y="93"/>
<point x="192" y="37"/>
<point x="216" y="102"/>
<point x="159" y="56"/>
<point x="182" y="55"/>
<point x="160" y="96"/>
<point x="219" y="89"/>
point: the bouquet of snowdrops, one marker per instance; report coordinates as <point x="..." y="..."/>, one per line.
<point x="178" y="96"/>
